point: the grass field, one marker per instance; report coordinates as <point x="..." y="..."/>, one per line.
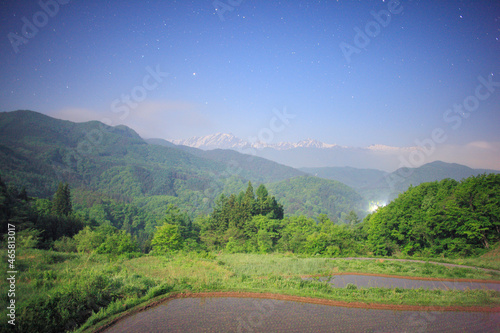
<point x="61" y="291"/>
<point x="258" y="265"/>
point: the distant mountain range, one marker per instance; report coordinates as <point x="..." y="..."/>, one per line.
<point x="37" y="152"/>
<point x="305" y="153"/>
<point x="229" y="141"/>
<point x="381" y="186"/>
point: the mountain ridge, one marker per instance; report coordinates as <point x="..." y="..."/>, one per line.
<point x="379" y="186"/>
<point x="229" y="141"/>
<point x="307" y="152"/>
<point x="37" y="152"/>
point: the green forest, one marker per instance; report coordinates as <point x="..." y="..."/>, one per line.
<point x="110" y="166"/>
<point x="439" y="218"/>
<point x="445" y="218"/>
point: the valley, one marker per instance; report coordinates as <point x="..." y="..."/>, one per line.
<point x="107" y="224"/>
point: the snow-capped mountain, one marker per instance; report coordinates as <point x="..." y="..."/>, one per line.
<point x="229" y="141"/>
<point x="311" y="143"/>
<point x="306" y="153"/>
<point x="214" y="141"/>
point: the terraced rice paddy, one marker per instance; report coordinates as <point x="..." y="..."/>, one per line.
<point x="369" y="281"/>
<point x="256" y="312"/>
<point x="230" y="314"/>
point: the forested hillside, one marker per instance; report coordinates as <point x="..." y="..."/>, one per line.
<point x="250" y="221"/>
<point x="353" y="177"/>
<point x="439" y="218"/>
<point x="311" y="196"/>
<point x="114" y="167"/>
<point x="122" y="190"/>
<point x="379" y="186"/>
<point x="446" y="218"/>
<point x="39" y="151"/>
<point x="400" y="180"/>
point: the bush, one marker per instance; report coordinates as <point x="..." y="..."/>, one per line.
<point x="235" y="246"/>
<point x="65" y="244"/>
<point x="67" y="307"/>
<point x="332" y="251"/>
<point x="28" y="238"/>
<point x="166" y="239"/>
<point x="105" y="239"/>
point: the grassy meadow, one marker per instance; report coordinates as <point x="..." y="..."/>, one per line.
<point x="67" y="291"/>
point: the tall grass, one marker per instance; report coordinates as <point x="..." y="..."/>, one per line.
<point x="278" y="264"/>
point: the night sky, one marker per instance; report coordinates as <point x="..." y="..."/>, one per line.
<point x="345" y="71"/>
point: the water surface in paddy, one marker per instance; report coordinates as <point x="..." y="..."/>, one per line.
<point x="229" y="314"/>
<point x="366" y="281"/>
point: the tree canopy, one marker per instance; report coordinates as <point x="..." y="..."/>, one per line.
<point x="439" y="218"/>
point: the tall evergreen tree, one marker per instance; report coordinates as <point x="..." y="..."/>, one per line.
<point x="262" y="193"/>
<point x="248" y="202"/>
<point x="61" y="203"/>
<point x="249" y="195"/>
<point x="261" y="202"/>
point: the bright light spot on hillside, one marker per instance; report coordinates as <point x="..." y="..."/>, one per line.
<point x="376" y="205"/>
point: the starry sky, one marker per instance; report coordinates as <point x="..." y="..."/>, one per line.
<point x="341" y="72"/>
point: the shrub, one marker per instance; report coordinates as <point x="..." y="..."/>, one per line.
<point x="166" y="239"/>
<point x="65" y="308"/>
<point x="65" y="244"/>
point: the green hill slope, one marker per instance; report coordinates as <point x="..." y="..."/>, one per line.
<point x="388" y="186"/>
<point x="311" y="196"/>
<point x="353" y="177"/>
<point x="37" y="152"/>
<point x="439" y="218"/>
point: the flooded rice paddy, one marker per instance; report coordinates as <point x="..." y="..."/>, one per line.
<point x="231" y="314"/>
<point x="239" y="314"/>
<point x="368" y="281"/>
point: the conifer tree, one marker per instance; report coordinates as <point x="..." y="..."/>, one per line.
<point x="261" y="200"/>
<point x="248" y="203"/>
<point x="61" y="203"/>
